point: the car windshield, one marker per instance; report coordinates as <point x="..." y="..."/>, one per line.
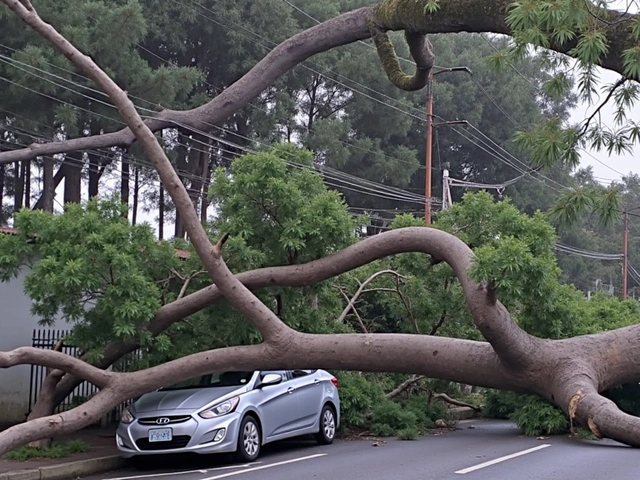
<point x="215" y="379"/>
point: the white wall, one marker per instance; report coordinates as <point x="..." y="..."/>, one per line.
<point x="16" y="330"/>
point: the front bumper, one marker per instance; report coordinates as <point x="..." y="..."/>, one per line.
<point x="190" y="434"/>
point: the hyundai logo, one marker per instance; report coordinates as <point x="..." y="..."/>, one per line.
<point x="162" y="421"/>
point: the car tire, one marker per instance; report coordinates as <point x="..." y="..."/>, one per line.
<point x="327" y="432"/>
<point x="249" y="440"/>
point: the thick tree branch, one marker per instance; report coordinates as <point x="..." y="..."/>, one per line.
<point x="457" y="360"/>
<point x="404" y="240"/>
<point x="56" y="360"/>
<point x="338" y="31"/>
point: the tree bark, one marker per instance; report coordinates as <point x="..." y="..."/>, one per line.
<point x="136" y="192"/>
<point x="94" y="174"/>
<point x="1" y="191"/>
<point x="161" y="213"/>
<point x="48" y="186"/>
<point x="18" y="189"/>
<point x="27" y="183"/>
<point x="73" y="178"/>
<point x="2" y="170"/>
<point x="124" y="182"/>
<point x="45" y="202"/>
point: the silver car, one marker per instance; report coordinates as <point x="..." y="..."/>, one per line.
<point x="231" y="412"/>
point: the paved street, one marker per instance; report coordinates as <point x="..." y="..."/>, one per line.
<point x="491" y="450"/>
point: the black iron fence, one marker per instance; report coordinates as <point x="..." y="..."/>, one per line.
<point x="48" y="339"/>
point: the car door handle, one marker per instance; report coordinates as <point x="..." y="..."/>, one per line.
<point x="290" y="389"/>
<point x="316" y="381"/>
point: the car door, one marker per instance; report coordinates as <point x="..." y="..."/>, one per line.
<point x="277" y="405"/>
<point x="310" y="391"/>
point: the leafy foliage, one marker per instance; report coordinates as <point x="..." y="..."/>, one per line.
<point x="89" y="267"/>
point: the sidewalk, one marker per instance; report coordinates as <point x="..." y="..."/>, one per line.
<point x="102" y="457"/>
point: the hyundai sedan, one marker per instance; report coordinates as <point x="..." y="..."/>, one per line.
<point x="236" y="412"/>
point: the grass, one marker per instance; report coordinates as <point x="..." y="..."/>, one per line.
<point x="56" y="450"/>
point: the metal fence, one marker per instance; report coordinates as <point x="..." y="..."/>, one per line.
<point x="48" y="339"/>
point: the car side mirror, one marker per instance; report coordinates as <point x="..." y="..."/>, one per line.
<point x="270" y="379"/>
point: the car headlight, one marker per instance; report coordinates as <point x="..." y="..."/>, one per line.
<point x="221" y="408"/>
<point x="127" y="416"/>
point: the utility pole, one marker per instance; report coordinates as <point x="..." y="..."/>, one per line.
<point x="427" y="186"/>
<point x="429" y="139"/>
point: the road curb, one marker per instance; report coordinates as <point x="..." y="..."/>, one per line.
<point x="67" y="471"/>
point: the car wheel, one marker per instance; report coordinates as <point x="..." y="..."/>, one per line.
<point x="248" y="440"/>
<point x="327" y="426"/>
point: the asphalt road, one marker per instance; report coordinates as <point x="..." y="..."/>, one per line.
<point x="490" y="450"/>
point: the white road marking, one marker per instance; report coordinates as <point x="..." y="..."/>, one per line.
<point x="262" y="467"/>
<point x="155" y="475"/>
<point x="501" y="459"/>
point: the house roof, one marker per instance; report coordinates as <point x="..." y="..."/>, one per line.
<point x="182" y="254"/>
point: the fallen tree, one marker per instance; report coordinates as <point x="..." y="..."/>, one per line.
<point x="570" y="373"/>
<point x="415" y="17"/>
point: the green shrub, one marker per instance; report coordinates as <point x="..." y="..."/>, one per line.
<point x="426" y="412"/>
<point x="538" y="417"/>
<point x="357" y="394"/>
<point x="500" y="404"/>
<point x="383" y="430"/>
<point x="533" y="415"/>
<point x="389" y="417"/>
<point x="408" y="433"/>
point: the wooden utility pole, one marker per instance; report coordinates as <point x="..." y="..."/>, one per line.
<point x="429" y="139"/>
<point x="427" y="189"/>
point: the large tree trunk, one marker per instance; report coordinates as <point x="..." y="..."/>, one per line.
<point x="73" y="179"/>
<point x="1" y="191"/>
<point x="18" y="187"/>
<point x="205" y="192"/>
<point x="48" y="186"/>
<point x="124" y="182"/>
<point x="27" y="183"/>
<point x="136" y="192"/>
<point x="49" y="183"/>
<point x="94" y="174"/>
<point x="161" y="213"/>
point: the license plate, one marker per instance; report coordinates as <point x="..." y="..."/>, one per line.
<point x="160" y="435"/>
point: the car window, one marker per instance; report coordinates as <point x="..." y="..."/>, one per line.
<point x="215" y="379"/>
<point x="284" y="373"/>
<point x="302" y="373"/>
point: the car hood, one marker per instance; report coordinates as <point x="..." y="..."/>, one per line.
<point x="185" y="399"/>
